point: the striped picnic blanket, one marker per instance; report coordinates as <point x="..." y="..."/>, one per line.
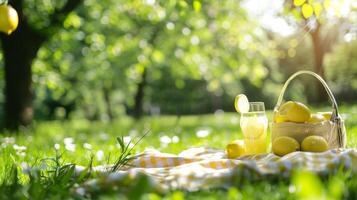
<point x="203" y="168"/>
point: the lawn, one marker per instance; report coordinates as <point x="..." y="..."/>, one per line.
<point x="77" y="141"/>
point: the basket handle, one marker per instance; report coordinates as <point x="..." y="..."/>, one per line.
<point x="332" y="98"/>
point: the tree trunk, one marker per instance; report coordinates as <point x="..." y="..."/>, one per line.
<point x="139" y="96"/>
<point x="19" y="50"/>
<point x="106" y="93"/>
<point x="319" y="53"/>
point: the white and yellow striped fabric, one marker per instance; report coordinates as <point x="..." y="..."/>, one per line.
<point x="202" y="168"/>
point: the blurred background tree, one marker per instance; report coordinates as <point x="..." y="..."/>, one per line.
<point x="324" y="21"/>
<point x="38" y="22"/>
<point x="156" y="57"/>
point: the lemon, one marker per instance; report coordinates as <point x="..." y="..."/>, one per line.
<point x="294" y="111"/>
<point x="327" y="115"/>
<point x="235" y="149"/>
<point x="316" y="118"/>
<point x="283" y="110"/>
<point x="241" y="103"/>
<point x="280" y="118"/>
<point x="8" y="19"/>
<point x="314" y="143"/>
<point x="284" y="145"/>
<point x="281" y="115"/>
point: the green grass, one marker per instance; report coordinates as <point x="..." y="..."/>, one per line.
<point x="95" y="143"/>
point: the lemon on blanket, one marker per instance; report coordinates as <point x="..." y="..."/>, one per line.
<point x="235" y="149"/>
<point x="294" y="111"/>
<point x="241" y="103"/>
<point x="284" y="145"/>
<point x="316" y="118"/>
<point x="314" y="143"/>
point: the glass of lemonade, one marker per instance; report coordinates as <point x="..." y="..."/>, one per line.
<point x="254" y="125"/>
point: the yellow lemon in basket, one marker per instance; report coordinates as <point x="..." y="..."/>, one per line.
<point x="241" y="103"/>
<point x="280" y="118"/>
<point x="283" y="110"/>
<point x="327" y="115"/>
<point x="295" y="111"/>
<point x="314" y="143"/>
<point x="284" y="145"/>
<point x="235" y="149"/>
<point x="316" y="118"/>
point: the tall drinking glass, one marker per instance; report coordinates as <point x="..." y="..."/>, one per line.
<point x="254" y="125"/>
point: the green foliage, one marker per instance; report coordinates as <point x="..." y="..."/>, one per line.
<point x="197" y="55"/>
<point x="48" y="181"/>
<point x="106" y="50"/>
<point x="342" y="70"/>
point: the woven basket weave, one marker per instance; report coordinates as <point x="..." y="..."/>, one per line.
<point x="333" y="130"/>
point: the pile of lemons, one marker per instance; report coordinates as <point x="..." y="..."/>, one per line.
<point x="297" y="112"/>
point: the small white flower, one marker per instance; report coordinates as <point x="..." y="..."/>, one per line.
<point x="175" y="139"/>
<point x="100" y="155"/>
<point x="19" y="148"/>
<point x="202" y="133"/>
<point x="57" y="146"/>
<point x="68" y="144"/>
<point x="87" y="146"/>
<point x="165" y="139"/>
<point x="68" y="140"/>
<point x="70" y="147"/>
<point x="8" y="140"/>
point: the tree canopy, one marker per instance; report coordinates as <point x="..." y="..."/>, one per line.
<point x="102" y="60"/>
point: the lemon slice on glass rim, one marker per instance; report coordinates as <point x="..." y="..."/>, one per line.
<point x="241" y="103"/>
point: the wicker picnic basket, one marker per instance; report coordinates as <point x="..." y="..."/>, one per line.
<point x="333" y="130"/>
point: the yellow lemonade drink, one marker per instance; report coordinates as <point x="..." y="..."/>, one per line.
<point x="254" y="126"/>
